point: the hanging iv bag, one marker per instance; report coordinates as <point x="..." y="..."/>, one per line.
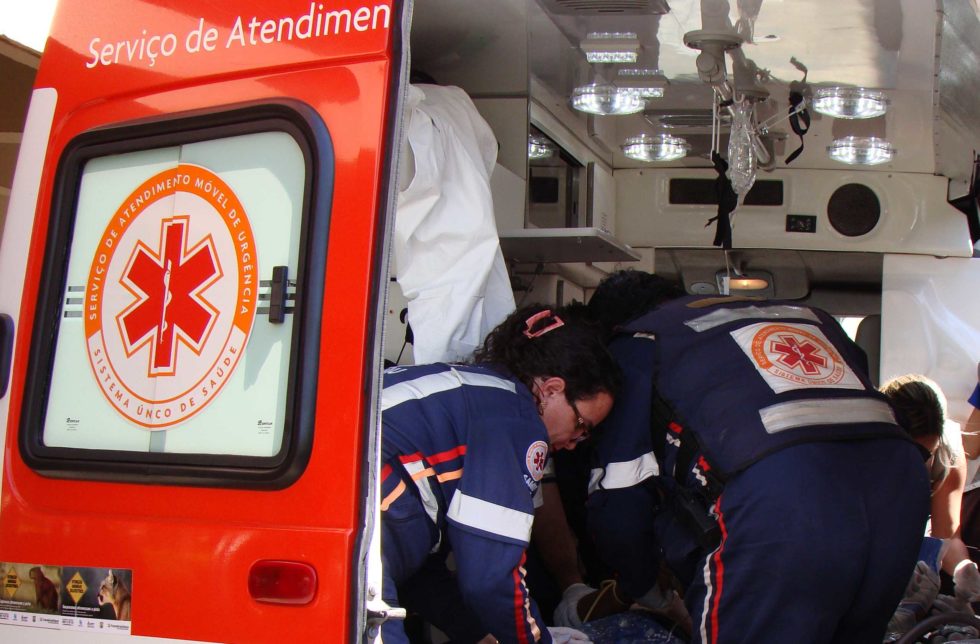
<point x="741" y="151"/>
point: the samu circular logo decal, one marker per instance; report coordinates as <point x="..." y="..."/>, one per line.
<point x="536" y="458"/>
<point x="795" y="356"/>
<point x="171" y="296"/>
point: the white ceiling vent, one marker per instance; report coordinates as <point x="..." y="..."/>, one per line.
<point x="683" y="118"/>
<point x="605" y="7"/>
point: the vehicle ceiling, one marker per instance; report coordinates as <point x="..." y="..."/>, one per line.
<point x="923" y="53"/>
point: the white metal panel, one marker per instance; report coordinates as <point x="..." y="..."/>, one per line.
<point x="915" y="217"/>
<point x="930" y="323"/>
<point x="20" y="220"/>
<point x="30" y="635"/>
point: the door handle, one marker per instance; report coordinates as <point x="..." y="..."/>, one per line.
<point x="6" y="351"/>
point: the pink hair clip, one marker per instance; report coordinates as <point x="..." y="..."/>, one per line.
<point x="537" y="317"/>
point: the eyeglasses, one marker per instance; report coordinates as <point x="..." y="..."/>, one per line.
<point x="581" y="425"/>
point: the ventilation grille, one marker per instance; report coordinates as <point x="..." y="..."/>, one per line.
<point x="605" y="7"/>
<point x="702" y="192"/>
<point x="688" y="119"/>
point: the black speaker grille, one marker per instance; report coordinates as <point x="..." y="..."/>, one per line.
<point x="854" y="210"/>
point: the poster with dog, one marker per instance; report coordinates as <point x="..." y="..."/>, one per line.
<point x="30" y="588"/>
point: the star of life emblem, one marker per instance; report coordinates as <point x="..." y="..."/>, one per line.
<point x="171" y="296"/>
<point x="536" y="459"/>
<point x="795" y="356"/>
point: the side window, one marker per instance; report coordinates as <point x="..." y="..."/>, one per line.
<point x="175" y="332"/>
<point x="850" y="323"/>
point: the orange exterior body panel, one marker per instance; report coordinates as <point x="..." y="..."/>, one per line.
<point x="190" y="549"/>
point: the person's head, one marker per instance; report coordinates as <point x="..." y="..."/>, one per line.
<point x="921" y="408"/>
<point x="562" y="361"/>
<point x="625" y="295"/>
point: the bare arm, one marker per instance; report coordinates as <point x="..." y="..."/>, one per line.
<point x="946" y="502"/>
<point x="556" y="544"/>
<point x="971" y="435"/>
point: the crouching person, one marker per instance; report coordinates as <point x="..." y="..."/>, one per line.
<point x="464" y="449"/>
<point x="762" y="464"/>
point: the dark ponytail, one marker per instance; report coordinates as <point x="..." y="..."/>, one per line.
<point x="540" y="341"/>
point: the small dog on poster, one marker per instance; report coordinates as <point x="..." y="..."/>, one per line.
<point x="44" y="590"/>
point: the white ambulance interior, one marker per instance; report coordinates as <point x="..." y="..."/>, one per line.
<point x="888" y="248"/>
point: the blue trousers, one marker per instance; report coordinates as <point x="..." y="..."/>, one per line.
<point x="818" y="543"/>
<point x="418" y="580"/>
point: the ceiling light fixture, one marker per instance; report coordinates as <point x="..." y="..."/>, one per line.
<point x="660" y="147"/>
<point x="749" y="281"/>
<point x="539" y="147"/>
<point x="606" y="100"/>
<point x="648" y="83"/>
<point x="850" y="102"/>
<point x="611" y="47"/>
<point x="854" y="150"/>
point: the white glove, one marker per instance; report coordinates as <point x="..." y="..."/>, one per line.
<point x="563" y="635"/>
<point x="901" y="623"/>
<point x="566" y="613"/>
<point x="966" y="579"/>
<point x="921" y="591"/>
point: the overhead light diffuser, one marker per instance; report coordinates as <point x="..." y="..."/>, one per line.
<point x="606" y="100"/>
<point x="752" y="281"/>
<point x="611" y="47"/>
<point x="539" y="147"/>
<point x="747" y="283"/>
<point x="660" y="147"/>
<point x="648" y="83"/>
<point x="850" y="102"/>
<point x="854" y="150"/>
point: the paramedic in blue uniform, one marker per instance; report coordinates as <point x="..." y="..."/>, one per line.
<point x="817" y="498"/>
<point x="464" y="450"/>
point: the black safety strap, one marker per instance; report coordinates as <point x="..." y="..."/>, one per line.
<point x="690" y="506"/>
<point x="663" y="420"/>
<point x="409" y="334"/>
<point x="799" y="120"/>
<point x="727" y="201"/>
<point x="689" y="457"/>
<point x="661" y="415"/>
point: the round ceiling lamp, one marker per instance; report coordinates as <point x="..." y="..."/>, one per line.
<point x="660" y="147"/>
<point x="606" y="100"/>
<point x="850" y="102"/>
<point x="854" y="150"/>
<point x="539" y="147"/>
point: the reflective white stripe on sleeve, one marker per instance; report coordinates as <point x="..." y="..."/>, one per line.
<point x="769" y="313"/>
<point x="626" y="474"/>
<point x="429" y="502"/>
<point x="438" y="382"/>
<point x="490" y="517"/>
<point x="825" y="411"/>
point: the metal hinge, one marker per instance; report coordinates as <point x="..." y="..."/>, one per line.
<point x="378" y="612"/>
